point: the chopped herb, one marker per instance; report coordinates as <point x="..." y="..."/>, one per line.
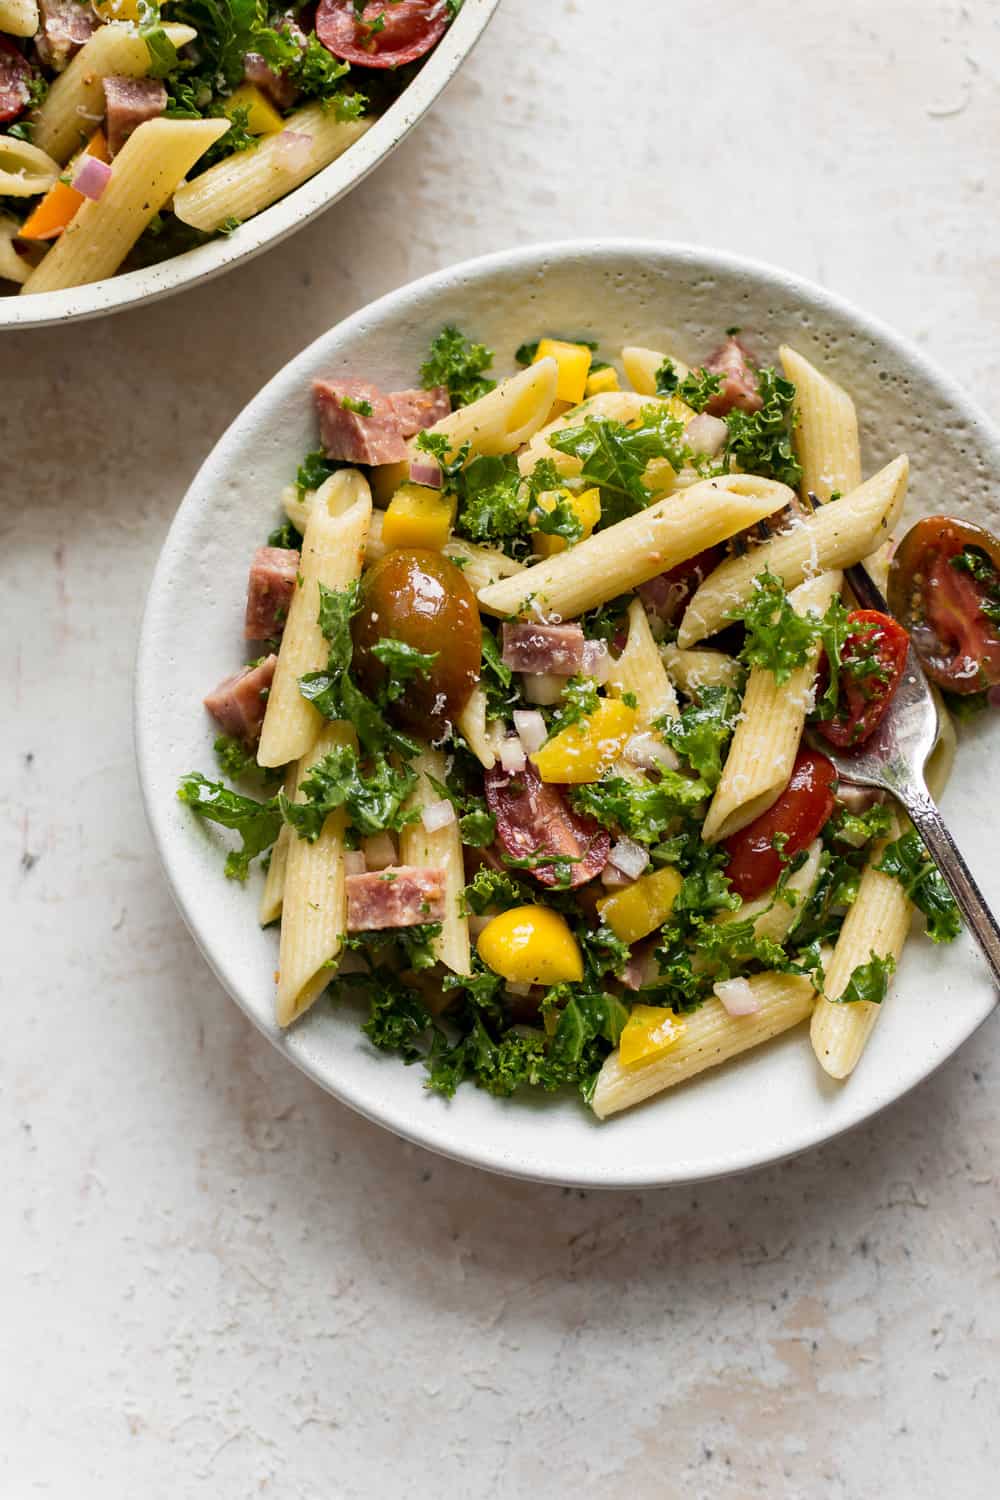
<point x="360" y="408"/>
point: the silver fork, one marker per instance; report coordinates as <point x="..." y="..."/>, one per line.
<point x="894" y="758"/>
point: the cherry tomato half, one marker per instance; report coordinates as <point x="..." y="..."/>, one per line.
<point x="943" y="576"/>
<point x="754" y="863"/>
<point x="388" y="34"/>
<point x="872" y="662"/>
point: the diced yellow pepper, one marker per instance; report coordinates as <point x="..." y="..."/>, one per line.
<point x="649" y="1031"/>
<point x="584" y="751"/>
<point x="602" y="380"/>
<point x="680" y="410"/>
<point x="574" y="366"/>
<point x="586" y="508"/>
<point x="262" y="117"/>
<point x="642" y="907"/>
<point x="418" y="517"/>
<point x="117" y="10"/>
<point x="531" y="945"/>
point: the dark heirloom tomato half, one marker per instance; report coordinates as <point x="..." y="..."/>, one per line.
<point x="533" y="817"/>
<point x="15" y="76"/>
<point x="872" y="662"/>
<point x="754" y="863"/>
<point x="942" y="606"/>
<point x="388" y="34"/>
<point x="420" y="597"/>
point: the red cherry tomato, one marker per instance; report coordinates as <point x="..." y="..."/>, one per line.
<point x="872" y="662"/>
<point x="533" y="817"/>
<point x="942" y="606"/>
<point x="754" y="863"/>
<point x="15" y="75"/>
<point x="389" y="33"/>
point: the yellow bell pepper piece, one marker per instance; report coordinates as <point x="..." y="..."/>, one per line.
<point x="602" y="380"/>
<point x="418" y="517"/>
<point x="584" y="751"/>
<point x="574" y="366"/>
<point x="586" y="508"/>
<point x="649" y="1031"/>
<point x="531" y="945"/>
<point x="262" y="117"/>
<point x="117" y="10"/>
<point x="642" y="907"/>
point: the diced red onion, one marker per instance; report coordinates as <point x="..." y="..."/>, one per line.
<point x="647" y="749"/>
<point x="437" y="815"/>
<point x="91" y="176"/>
<point x="629" y="857"/>
<point x="531" y="729"/>
<point x="596" y="660"/>
<point x="293" y="150"/>
<point x="858" y="799"/>
<point x="513" y="988"/>
<point x="737" y="996"/>
<point x="613" y="879"/>
<point x="354" y="862"/>
<point x="426" y="471"/>
<point x="705" y="434"/>
<point x="380" y="851"/>
<point x="542" y="687"/>
<point x="478" y="924"/>
<point x="512" y="756"/>
<point x="641" y="968"/>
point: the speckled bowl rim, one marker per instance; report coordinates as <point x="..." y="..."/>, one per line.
<point x="429" y="1131"/>
<point x="274" y="224"/>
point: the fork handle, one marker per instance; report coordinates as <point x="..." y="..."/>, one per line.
<point x="945" y="852"/>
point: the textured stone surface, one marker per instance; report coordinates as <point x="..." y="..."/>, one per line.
<point x="219" y="1282"/>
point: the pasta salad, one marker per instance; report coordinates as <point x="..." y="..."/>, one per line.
<point x="531" y="744"/>
<point x="132" y="130"/>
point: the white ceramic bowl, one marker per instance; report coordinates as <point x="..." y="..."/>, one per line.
<point x="764" y="1106"/>
<point x="276" y="222"/>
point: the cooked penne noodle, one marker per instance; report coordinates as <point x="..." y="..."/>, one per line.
<point x="75" y="102"/>
<point x="639" y="670"/>
<point x="241" y="185"/>
<point x="332" y="554"/>
<point x="19" y="17"/>
<point x="710" y="1036"/>
<point x="273" y="894"/>
<point x="13" y="267"/>
<point x="836" y="536"/>
<point x="143" y="175"/>
<point x="314" y="907"/>
<point x="641" y="366"/>
<point x="440" y="850"/>
<point x="25" y="170"/>
<point x="769" y="729"/>
<point x="693" y="670"/>
<point x="826" y="436"/>
<point x="878" y="922"/>
<point x="482" y="736"/>
<point x="636" y="549"/>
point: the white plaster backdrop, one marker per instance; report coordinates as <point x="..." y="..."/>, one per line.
<point x="219" y="1282"/>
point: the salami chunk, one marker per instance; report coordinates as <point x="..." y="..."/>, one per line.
<point x="557" y="649"/>
<point x="129" y="103"/>
<point x="238" y="703"/>
<point x="271" y="586"/>
<point x="358" y="423"/>
<point x="417" y="409"/>
<point x="400" y="896"/>
<point x="734" y="362"/>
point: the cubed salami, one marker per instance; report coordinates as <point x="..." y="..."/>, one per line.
<point x="129" y="103"/>
<point x="555" y="649"/>
<point x="418" y="410"/>
<point x="239" y="702"/>
<point x="273" y="578"/>
<point x="400" y="896"/>
<point x="358" y="423"/>
<point x="734" y="362"/>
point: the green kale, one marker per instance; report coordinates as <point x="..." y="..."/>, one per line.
<point x="615" y="457"/>
<point x="162" y="52"/>
<point x="317" y="74"/>
<point x="495" y="678"/>
<point x="402" y="663"/>
<point x="478" y="827"/>
<point x="476" y="823"/>
<point x="643" y="810"/>
<point x="227" y="31"/>
<point x="761" y="441"/>
<point x="561" y="520"/>
<point x="868" y="981"/>
<point x="696" y="389"/>
<point x="579" y="700"/>
<point x="777" y="637"/>
<point x="314" y="469"/>
<point x="907" y="861"/>
<point x="362" y="408"/>
<point x="492" y="888"/>
<point x="833" y="631"/>
<point x="606" y="621"/>
<point x="257" y="823"/>
<point x="406" y="947"/>
<point x="233" y="758"/>
<point x="287" y="536"/>
<point x="493" y="501"/>
<point x="701" y="732"/>
<point x="457" y="363"/>
<point x="859" y="829"/>
<point x="373" y="798"/>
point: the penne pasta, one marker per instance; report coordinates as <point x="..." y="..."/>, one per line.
<point x="332" y="554"/>
<point x="641" y="366"/>
<point x="639" y="670"/>
<point x="314" y="907"/>
<point x="13" y="267"/>
<point x="25" y="170"/>
<point x="774" y="916"/>
<point x="768" y="732"/>
<point x="143" y="175"/>
<point x="75" y="102"/>
<point x="482" y="736"/>
<point x="242" y="184"/>
<point x="836" y="536"/>
<point x="878" y="922"/>
<point x="636" y="549"/>
<point x="693" y="670"/>
<point x="440" y="850"/>
<point x="273" y="894"/>
<point x="19" y="17"/>
<point x="710" y="1036"/>
<point x="826" y="435"/>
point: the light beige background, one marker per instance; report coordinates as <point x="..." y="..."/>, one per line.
<point x="218" y="1282"/>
